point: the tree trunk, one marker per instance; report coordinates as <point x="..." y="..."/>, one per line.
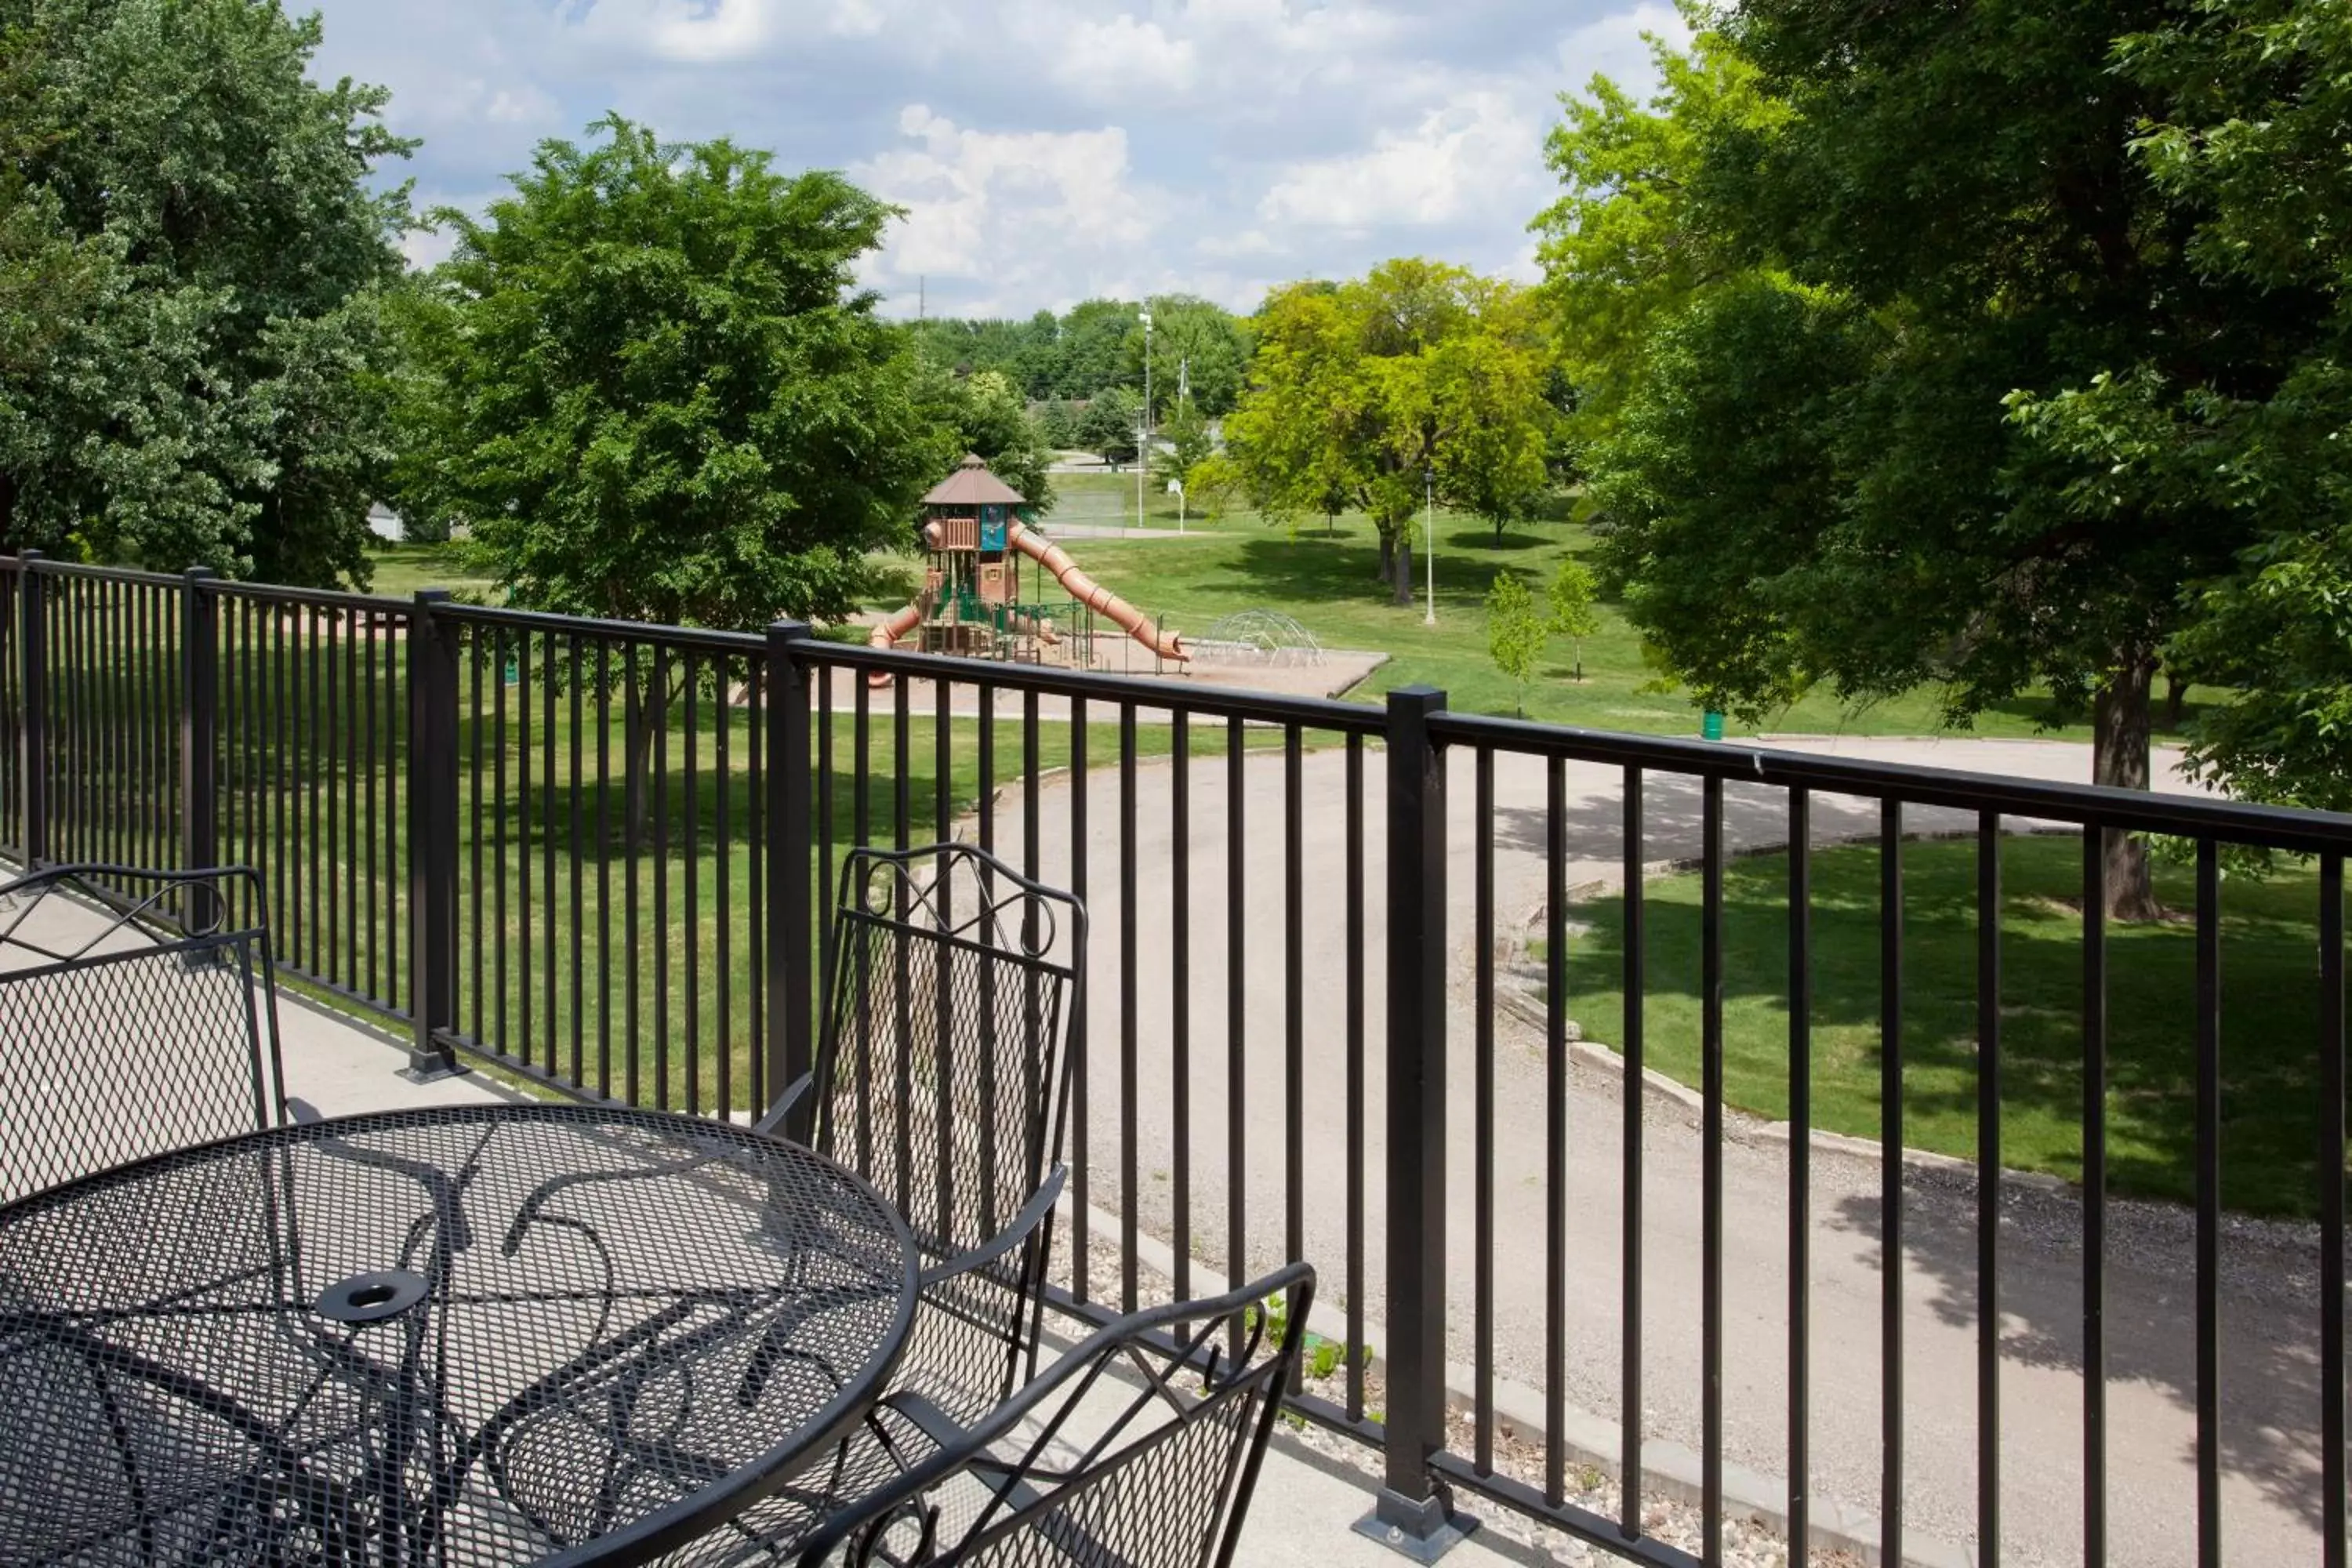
<point x="1404" y="570"/>
<point x="646" y="718"/>
<point x="1388" y="556"/>
<point x="2119" y="737"/>
<point x="2176" y="701"/>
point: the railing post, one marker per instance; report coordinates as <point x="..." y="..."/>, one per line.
<point x="790" y="955"/>
<point x="199" y="700"/>
<point x="33" y="731"/>
<point x="1409" y="1515"/>
<point x="432" y="836"/>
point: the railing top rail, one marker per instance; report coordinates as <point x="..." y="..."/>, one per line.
<point x="48" y="568"/>
<point x="701" y="637"/>
<point x="2193" y="817"/>
<point x="314" y="598"/>
<point x="1316" y="713"/>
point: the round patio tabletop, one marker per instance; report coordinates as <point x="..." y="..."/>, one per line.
<point x="466" y="1335"/>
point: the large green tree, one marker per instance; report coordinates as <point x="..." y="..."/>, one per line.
<point x="1826" y="467"/>
<point x="2251" y="152"/>
<point x="1364" y="394"/>
<point x="989" y="418"/>
<point x="655" y="392"/>
<point x="1198" y="355"/>
<point x="192" y="266"/>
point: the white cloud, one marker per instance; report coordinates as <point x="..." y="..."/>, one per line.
<point x="1059" y="148"/>
<point x="1614" y="46"/>
<point x="1457" y="162"/>
<point x="1013" y="210"/>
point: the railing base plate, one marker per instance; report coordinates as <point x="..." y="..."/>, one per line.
<point x="432" y="1069"/>
<point x="1423" y="1531"/>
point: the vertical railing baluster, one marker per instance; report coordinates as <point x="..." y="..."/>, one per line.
<point x="1989" y="1189"/>
<point x="1236" y="1009"/>
<point x="33" y="724"/>
<point x="1355" y="1048"/>
<point x="1555" y="1079"/>
<point x="1179" y="962"/>
<point x="1890" y="1179"/>
<point x="1710" y="1246"/>
<point x="551" y="913"/>
<point x="902" y="746"/>
<point x="579" y="848"/>
<point x="691" y="784"/>
<point x="2331" y="1211"/>
<point x="1130" y="1085"/>
<point x="660" y="747"/>
<point x="1294" y="1016"/>
<point x="1482" y="1115"/>
<point x="1800" y="1173"/>
<point x="723" y="704"/>
<point x="632" y="769"/>
<point x="2208" y="1203"/>
<point x="605" y="866"/>
<point x="1632" y="1095"/>
<point x="2094" y="1198"/>
<point x="478" y="648"/>
<point x="1081" y="1065"/>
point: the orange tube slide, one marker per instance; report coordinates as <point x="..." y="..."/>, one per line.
<point x="1093" y="594"/>
<point x="903" y="621"/>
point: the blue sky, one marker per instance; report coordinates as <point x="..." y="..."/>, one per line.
<point x="1045" y="150"/>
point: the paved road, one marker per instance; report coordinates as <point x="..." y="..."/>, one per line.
<point x="2269" y="1348"/>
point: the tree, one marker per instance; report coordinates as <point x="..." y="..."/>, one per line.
<point x="1091" y="356"/>
<point x="1184" y="442"/>
<point x="2251" y="157"/>
<point x="1514" y="632"/>
<point x="1830" y="463"/>
<point x="1357" y="391"/>
<point x="658" y="393"/>
<point x="1112" y="425"/>
<point x="1199" y="354"/>
<point x="1570" y="595"/>
<point x="192" y="265"/>
<point x="990" y="420"/>
<point x="662" y="397"/>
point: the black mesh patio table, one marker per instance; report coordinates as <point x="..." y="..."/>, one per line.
<point x="479" y="1334"/>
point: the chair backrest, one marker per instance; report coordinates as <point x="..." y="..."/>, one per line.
<point x="138" y="1013"/>
<point x="1140" y="1446"/>
<point x="941" y="1076"/>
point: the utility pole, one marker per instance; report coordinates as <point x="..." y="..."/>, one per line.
<point x="1143" y="422"/>
<point x="1183" y="398"/>
<point x="1429" y="540"/>
<point x="922" y="303"/>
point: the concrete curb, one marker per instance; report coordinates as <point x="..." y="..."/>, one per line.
<point x="1668" y="1469"/>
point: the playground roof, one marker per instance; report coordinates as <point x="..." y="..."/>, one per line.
<point x="972" y="485"/>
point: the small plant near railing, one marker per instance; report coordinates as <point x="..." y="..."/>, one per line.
<point x="1322" y="1357"/>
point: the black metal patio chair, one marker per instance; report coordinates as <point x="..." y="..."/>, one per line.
<point x="942" y="1078"/>
<point x="1140" y="1448"/>
<point x="138" y="1014"/>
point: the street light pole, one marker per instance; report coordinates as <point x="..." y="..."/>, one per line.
<point x="1143" y="422"/>
<point x="1429" y="540"/>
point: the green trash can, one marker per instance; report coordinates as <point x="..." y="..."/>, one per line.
<point x="1710" y="725"/>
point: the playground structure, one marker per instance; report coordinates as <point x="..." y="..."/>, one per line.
<point x="971" y="601"/>
<point x="1259" y="638"/>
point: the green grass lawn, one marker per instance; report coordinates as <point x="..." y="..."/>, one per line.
<point x="402" y="569"/>
<point x="2269" y="1030"/>
<point x="583" y="934"/>
<point x="1326" y="579"/>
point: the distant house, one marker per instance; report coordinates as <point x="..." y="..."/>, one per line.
<point x="385" y="524"/>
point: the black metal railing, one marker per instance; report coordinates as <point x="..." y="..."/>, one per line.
<point x="599" y="855"/>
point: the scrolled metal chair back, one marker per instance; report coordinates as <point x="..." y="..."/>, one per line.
<point x="1141" y="1447"/>
<point x="941" y="1076"/>
<point x="138" y="1014"/>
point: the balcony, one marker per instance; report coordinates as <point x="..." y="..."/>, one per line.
<point x="1366" y="986"/>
